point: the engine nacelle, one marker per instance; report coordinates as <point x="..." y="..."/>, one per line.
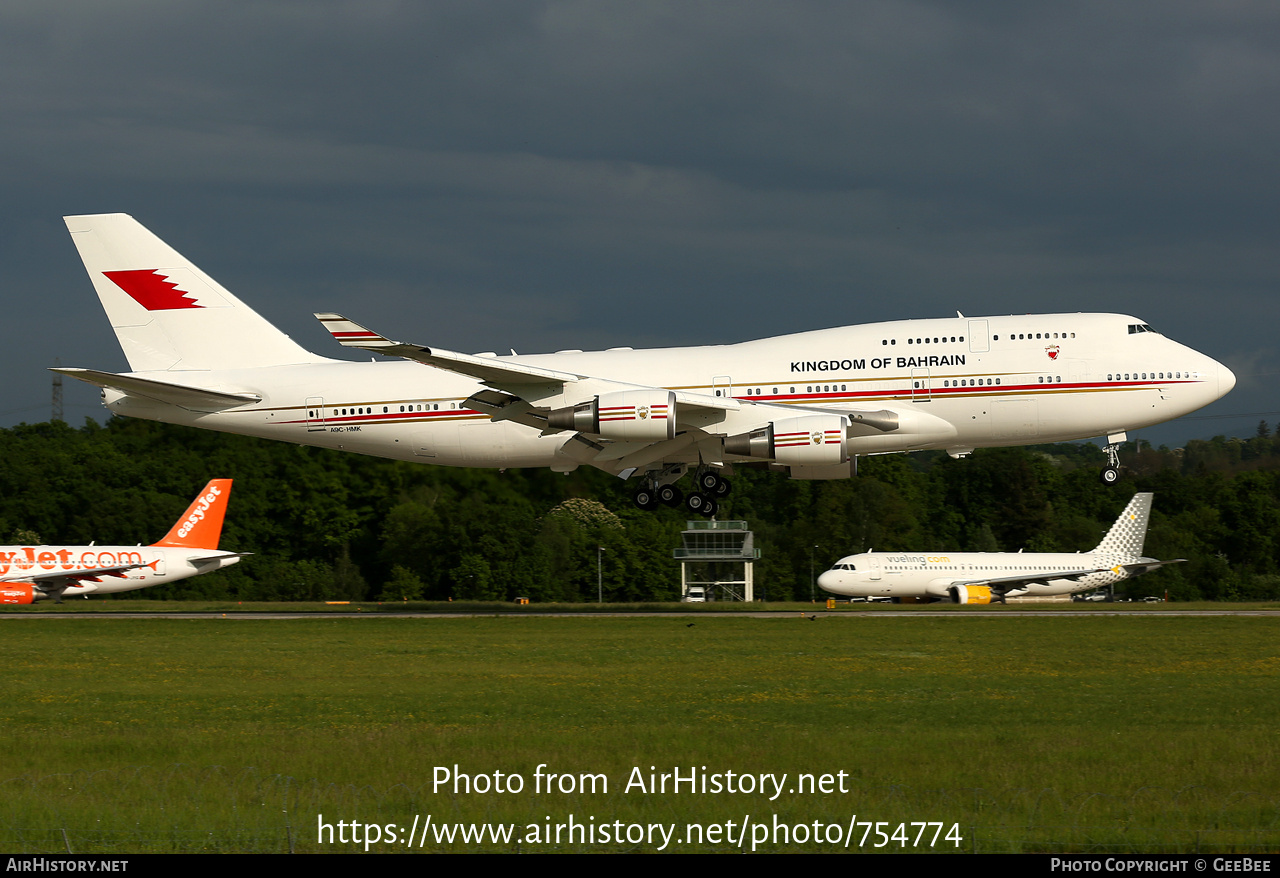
<point x="815" y="440"/>
<point x="19" y="593"/>
<point x="970" y="594"/>
<point x="644" y="415"/>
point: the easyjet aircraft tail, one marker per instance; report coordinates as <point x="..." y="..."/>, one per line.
<point x="167" y="313"/>
<point x="1129" y="533"/>
<point x="200" y="527"/>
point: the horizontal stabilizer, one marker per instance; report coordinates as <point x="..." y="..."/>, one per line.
<point x="220" y="556"/>
<point x="183" y="395"/>
<point x="1146" y="565"/>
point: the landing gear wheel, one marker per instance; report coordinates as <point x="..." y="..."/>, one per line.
<point x="710" y="509"/>
<point x="670" y="495"/>
<point x="1110" y="475"/>
<point x="697" y="503"/>
<point x="645" y="498"/>
<point x="723" y="489"/>
<point x="708" y="481"/>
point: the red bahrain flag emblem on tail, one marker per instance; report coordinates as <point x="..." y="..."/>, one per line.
<point x="153" y="290"/>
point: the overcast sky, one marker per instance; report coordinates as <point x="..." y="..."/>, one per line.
<point x="544" y="175"/>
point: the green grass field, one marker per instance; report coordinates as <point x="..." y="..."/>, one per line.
<point x="1050" y="734"/>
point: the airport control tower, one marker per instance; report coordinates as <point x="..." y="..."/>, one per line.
<point x="715" y="561"/>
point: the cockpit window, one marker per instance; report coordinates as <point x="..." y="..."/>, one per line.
<point x="1135" y="328"/>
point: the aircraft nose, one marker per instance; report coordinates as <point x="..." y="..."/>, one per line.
<point x="1226" y="380"/>
<point x="829" y="581"/>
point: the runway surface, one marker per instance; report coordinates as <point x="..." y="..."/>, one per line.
<point x="705" y="614"/>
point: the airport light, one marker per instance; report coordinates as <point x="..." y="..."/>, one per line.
<point x="599" y="576"/>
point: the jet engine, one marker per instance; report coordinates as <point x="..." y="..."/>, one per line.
<point x="645" y="415"/>
<point x="970" y="594"/>
<point x="816" y="440"/>
<point x="19" y="593"/>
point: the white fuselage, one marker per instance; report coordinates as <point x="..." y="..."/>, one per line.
<point x="25" y="564"/>
<point x="957" y="384"/>
<point x="928" y="575"/>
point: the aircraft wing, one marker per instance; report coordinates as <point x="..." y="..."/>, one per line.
<point x="516" y="378"/>
<point x="490" y="370"/>
<point x="1002" y="585"/>
<point x="534" y="396"/>
<point x="59" y="579"/>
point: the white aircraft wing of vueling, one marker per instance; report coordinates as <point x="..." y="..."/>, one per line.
<point x="35" y="573"/>
<point x="982" y="577"/>
<point x="807" y="404"/>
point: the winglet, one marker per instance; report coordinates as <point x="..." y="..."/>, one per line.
<point x="351" y="334"/>
<point x="200" y="527"/>
<point x="493" y="371"/>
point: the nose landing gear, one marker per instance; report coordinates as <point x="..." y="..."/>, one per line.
<point x="1111" y="472"/>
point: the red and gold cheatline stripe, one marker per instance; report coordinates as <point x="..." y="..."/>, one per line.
<point x="833" y="396"/>
<point x="391" y="417"/>
<point x="975" y="390"/>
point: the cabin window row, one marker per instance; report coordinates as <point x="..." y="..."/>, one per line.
<point x="369" y="410"/>
<point x="813" y="388"/>
<point x="1032" y="336"/>
<point x="937" y="339"/>
<point x="1145" y="376"/>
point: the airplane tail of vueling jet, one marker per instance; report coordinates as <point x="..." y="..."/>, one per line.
<point x="167" y="313"/>
<point x="1127" y="535"/>
<point x="200" y="527"/>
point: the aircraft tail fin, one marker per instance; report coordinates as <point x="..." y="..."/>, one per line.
<point x="1127" y="535"/>
<point x="168" y="314"/>
<point x="200" y="527"/>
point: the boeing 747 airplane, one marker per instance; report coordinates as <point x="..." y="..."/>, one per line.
<point x="807" y="404"/>
<point x="36" y="573"/>
<point x="983" y="577"/>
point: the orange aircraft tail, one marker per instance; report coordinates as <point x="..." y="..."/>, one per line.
<point x="200" y="527"/>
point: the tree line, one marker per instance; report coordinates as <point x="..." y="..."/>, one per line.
<point x="327" y="525"/>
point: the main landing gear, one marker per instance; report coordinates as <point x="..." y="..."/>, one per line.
<point x="649" y="497"/>
<point x="710" y="488"/>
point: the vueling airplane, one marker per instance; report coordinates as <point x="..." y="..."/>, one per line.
<point x="981" y="577"/>
<point x="36" y="573"/>
<point x="807" y="404"/>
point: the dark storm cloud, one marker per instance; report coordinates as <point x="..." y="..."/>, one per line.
<point x="580" y="174"/>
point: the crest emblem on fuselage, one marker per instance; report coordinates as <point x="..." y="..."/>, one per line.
<point x="1052" y="351"/>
